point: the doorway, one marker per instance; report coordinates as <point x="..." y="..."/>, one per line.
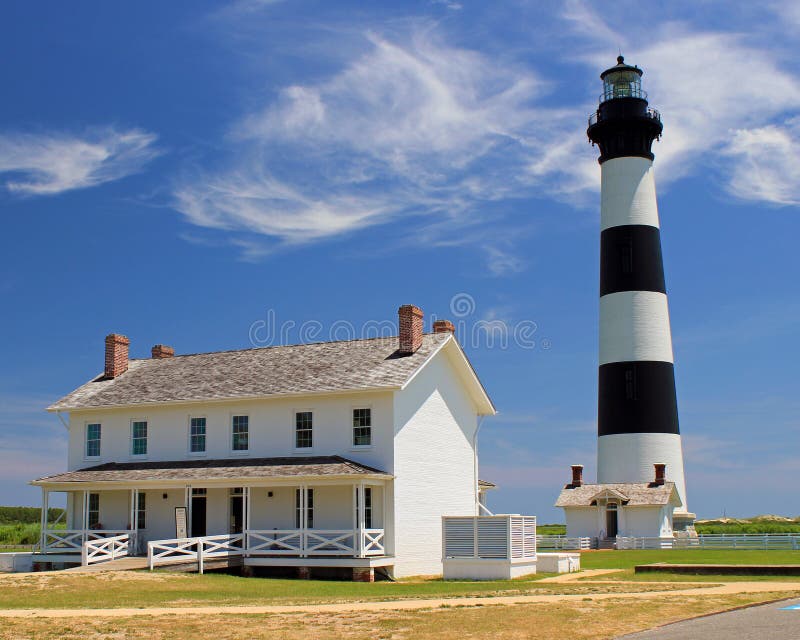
<point x="198" y="513"/>
<point x="236" y="512"/>
<point x="612" y="525"/>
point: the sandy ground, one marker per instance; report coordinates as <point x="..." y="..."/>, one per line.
<point x="721" y="588"/>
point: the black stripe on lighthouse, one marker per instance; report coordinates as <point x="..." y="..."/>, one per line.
<point x="637" y="397"/>
<point x="630" y="259"/>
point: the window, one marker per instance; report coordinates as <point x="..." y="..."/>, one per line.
<point x="630" y="384"/>
<point x="141" y="511"/>
<point x="626" y="257"/>
<point x="303" y="430"/>
<point x="92" y="440"/>
<point x="298" y="518"/>
<point x="367" y="507"/>
<point x="94" y="510"/>
<point x="197" y="435"/>
<point x="241" y="433"/>
<point x="362" y="427"/>
<point x="139" y="438"/>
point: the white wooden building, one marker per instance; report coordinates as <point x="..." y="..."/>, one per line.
<point x="338" y="454"/>
<point x="610" y="512"/>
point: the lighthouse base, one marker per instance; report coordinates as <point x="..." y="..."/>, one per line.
<point x="629" y="457"/>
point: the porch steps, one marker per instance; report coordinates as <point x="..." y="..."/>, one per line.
<point x="607" y="543"/>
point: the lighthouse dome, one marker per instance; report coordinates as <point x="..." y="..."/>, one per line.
<point x="622" y="81"/>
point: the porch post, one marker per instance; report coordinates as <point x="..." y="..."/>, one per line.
<point x="246" y="506"/>
<point x="303" y="518"/>
<point x="361" y="517"/>
<point x="85" y="527"/>
<point x="188" y="504"/>
<point x="132" y="512"/>
<point x="356" y="534"/>
<point x="136" y="510"/>
<point x="45" y="506"/>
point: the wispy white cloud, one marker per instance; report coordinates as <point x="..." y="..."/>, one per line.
<point x="51" y="163"/>
<point x="412" y="127"/>
<point x="766" y="164"/>
<point x="720" y="94"/>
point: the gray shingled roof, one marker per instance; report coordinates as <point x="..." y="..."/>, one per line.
<point x="215" y="470"/>
<point x="631" y="494"/>
<point x="270" y="371"/>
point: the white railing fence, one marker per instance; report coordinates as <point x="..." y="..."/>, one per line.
<point x="566" y="543"/>
<point x="766" y="541"/>
<point x="72" y="540"/>
<point x="630" y="542"/>
<point x="194" y="549"/>
<point x="372" y="542"/>
<point x="275" y="542"/>
<point x="316" y="542"/>
<point x="104" y="549"/>
<point x="489" y="537"/>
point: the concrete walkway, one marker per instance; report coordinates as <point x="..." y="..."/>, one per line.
<point x="791" y="589"/>
<point x="771" y="621"/>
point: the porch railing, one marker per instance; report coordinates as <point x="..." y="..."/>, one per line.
<point x="105" y="549"/>
<point x="316" y="542"/>
<point x="73" y="540"/>
<point x="500" y="537"/>
<point x="194" y="549"/>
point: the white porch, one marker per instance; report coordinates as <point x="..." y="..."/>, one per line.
<point x="307" y="522"/>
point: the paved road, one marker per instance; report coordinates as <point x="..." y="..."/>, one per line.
<point x="764" y="622"/>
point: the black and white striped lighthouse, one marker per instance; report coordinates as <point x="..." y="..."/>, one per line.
<point x="637" y="417"/>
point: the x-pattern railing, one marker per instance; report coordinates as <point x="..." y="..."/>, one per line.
<point x="275" y="541"/>
<point x="72" y="540"/>
<point x="103" y="549"/>
<point x="341" y="542"/>
<point x="194" y="549"/>
<point x="372" y="544"/>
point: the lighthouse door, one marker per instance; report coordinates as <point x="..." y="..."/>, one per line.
<point x="611" y="521"/>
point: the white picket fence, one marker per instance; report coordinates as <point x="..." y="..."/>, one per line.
<point x="755" y="541"/>
<point x="766" y="542"/>
<point x="105" y="549"/>
<point x="566" y="543"/>
<point x="194" y="549"/>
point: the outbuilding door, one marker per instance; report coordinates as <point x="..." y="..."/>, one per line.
<point x="611" y="521"/>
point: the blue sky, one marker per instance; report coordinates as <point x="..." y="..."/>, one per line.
<point x="180" y="171"/>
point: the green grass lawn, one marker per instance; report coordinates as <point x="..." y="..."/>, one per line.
<point x="58" y="590"/>
<point x="629" y="559"/>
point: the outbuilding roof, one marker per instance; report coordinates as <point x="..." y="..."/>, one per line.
<point x="325" y="367"/>
<point x="632" y="494"/>
<point x="206" y="470"/>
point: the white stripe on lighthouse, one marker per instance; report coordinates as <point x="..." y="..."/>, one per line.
<point x="634" y="325"/>
<point x="628" y="193"/>
<point x="629" y="457"/>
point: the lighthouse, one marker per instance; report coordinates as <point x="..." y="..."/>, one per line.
<point x="637" y="417"/>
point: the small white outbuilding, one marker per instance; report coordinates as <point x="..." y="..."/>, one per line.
<point x="631" y="509"/>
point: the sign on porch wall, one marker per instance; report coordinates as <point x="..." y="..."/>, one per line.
<point x="180" y="523"/>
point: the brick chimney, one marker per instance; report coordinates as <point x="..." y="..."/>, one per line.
<point x="160" y="351"/>
<point x="443" y="326"/>
<point x="661" y="473"/>
<point x="116" y="355"/>
<point x="577" y="475"/>
<point x="410" y="338"/>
